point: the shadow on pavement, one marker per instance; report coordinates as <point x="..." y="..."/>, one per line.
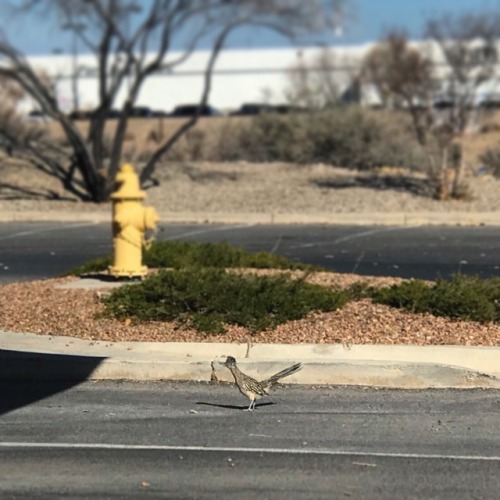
<point x="234" y="407"/>
<point x="27" y="377"/>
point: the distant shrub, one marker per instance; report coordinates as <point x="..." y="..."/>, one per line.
<point x="271" y="137"/>
<point x="489" y="127"/>
<point x="463" y="297"/>
<point x="491" y="159"/>
<point x="364" y="139"/>
<point x="350" y="137"/>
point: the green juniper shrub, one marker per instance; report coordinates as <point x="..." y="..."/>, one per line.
<point x="96" y="265"/>
<point x="412" y="295"/>
<point x="179" y="254"/>
<point x="209" y="298"/>
<point x="463" y="297"/>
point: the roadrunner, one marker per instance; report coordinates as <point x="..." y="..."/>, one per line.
<point x="253" y="389"/>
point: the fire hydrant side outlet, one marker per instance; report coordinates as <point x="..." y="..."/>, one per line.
<point x="151" y="218"/>
<point x="130" y="221"/>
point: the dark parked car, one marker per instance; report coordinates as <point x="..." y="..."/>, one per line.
<point x="252" y="109"/>
<point x="141" y="112"/>
<point x="190" y="109"/>
<point x="114" y="113"/>
<point x="284" y="109"/>
<point x="443" y="104"/>
<point x="88" y="114"/>
<point x="158" y="113"/>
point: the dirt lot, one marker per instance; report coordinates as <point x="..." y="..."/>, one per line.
<point x="257" y="188"/>
<point x="254" y="188"/>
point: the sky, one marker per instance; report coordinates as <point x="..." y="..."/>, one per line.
<point x="371" y="19"/>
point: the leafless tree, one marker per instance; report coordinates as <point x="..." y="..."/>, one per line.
<point x="16" y="133"/>
<point x="468" y="46"/>
<point x="314" y="83"/>
<point x="460" y="57"/>
<point x="404" y="79"/>
<point x="137" y="50"/>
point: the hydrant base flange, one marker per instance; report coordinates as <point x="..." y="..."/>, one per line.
<point x="124" y="273"/>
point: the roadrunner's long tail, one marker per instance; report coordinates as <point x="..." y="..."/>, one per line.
<point x="274" y="379"/>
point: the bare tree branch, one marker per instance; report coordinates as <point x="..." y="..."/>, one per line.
<point x="131" y="40"/>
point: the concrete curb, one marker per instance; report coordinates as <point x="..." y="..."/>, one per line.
<point x="29" y="356"/>
<point x="370" y="218"/>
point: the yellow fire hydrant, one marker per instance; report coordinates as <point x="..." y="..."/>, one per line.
<point x="130" y="222"/>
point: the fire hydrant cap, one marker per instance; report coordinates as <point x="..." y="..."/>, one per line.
<point x="127" y="184"/>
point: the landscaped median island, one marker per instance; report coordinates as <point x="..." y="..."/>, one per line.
<point x="214" y="292"/>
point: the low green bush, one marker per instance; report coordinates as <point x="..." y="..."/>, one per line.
<point x="463" y="297"/>
<point x="209" y="298"/>
<point x="179" y="254"/>
<point x="199" y="292"/>
<point x="96" y="265"/>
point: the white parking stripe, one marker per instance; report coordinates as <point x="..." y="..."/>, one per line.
<point x="350" y="237"/>
<point x="209" y="230"/>
<point x="368" y="233"/>
<point x="47" y="229"/>
<point x="289" y="451"/>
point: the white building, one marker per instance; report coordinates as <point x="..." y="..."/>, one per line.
<point x="240" y="76"/>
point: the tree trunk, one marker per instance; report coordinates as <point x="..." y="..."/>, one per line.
<point x="443" y="188"/>
<point x="95" y="184"/>
<point x="458" y="171"/>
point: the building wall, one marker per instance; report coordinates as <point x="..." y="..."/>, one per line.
<point x="240" y="76"/>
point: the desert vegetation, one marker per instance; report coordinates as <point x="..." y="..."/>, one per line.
<point x="209" y="286"/>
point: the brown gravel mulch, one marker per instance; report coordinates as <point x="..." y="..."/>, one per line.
<point x="39" y="307"/>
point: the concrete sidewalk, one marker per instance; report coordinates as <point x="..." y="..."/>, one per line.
<point x="30" y="356"/>
<point x="370" y="218"/>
